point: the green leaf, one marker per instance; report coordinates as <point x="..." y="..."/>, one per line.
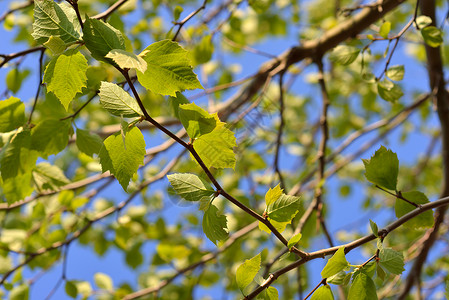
<point x="123" y="159"/>
<point x="280" y="226"/>
<point x="103" y="281"/>
<point x="169" y="69"/>
<point x="389" y="91"/>
<point x="177" y="12"/>
<point x="55" y="44"/>
<point x="423" y="21"/>
<point x="324" y="292"/>
<point x="216" y="148"/>
<point x="202" y="51"/>
<point x="65" y="75"/>
<point x="49" y="177"/>
<point x="50" y="136"/>
<point x="247" y="271"/>
<point x="176" y="102"/>
<point x="362" y="288"/>
<point x="284" y="208"/>
<point x="87" y="142"/>
<point x="101" y="38"/>
<point x="335" y="264"/>
<point x="118" y="102"/>
<point x="374" y="228"/>
<point x="271" y="293"/>
<point x="273" y="194"/>
<point x="385" y="29"/>
<point x="12" y="114"/>
<point x="18" y="157"/>
<point x="337" y="279"/>
<point x="127" y="60"/>
<point x="53" y="19"/>
<point x="432" y="35"/>
<point x="20" y="292"/>
<point x="391" y="260"/>
<point x="214" y="225"/>
<point x="14" y="79"/>
<point x="190" y="187"/>
<point x="170" y="252"/>
<point x="294" y="240"/>
<point x="134" y="257"/>
<point x="71" y="289"/>
<point x="380" y="272"/>
<point x="344" y="55"/>
<point x="17" y="188"/>
<point x="196" y="120"/>
<point x="395" y="73"/>
<point x="401" y="208"/>
<point x="383" y="168"/>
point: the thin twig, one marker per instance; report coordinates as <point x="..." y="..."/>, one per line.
<point x="280" y="130"/>
<point x="39" y="84"/>
<point x="186" y="19"/>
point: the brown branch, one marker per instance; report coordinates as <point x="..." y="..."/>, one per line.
<point x="39" y="84"/>
<point x="16" y="8"/>
<point x="280" y="130"/>
<point x="186" y="19"/>
<point x="104" y="15"/>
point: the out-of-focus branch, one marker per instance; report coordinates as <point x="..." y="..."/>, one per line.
<point x="16" y="8"/>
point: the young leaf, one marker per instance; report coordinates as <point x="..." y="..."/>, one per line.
<point x="337" y="279"/>
<point x="53" y="19"/>
<point x="362" y="288"/>
<point x="103" y="281"/>
<point x="344" y="55"/>
<point x="65" y="75"/>
<point x="335" y="264"/>
<point x="389" y="91"/>
<point x="50" y="136"/>
<point x="127" y="60"/>
<point x="392" y="260"/>
<point x="176" y="102"/>
<point x="324" y="292"/>
<point x="380" y="272"/>
<point x="101" y="38"/>
<point x="55" y="44"/>
<point x="123" y="159"/>
<point x="18" y="157"/>
<point x="395" y="73"/>
<point x="423" y="21"/>
<point x="271" y="293"/>
<point x="432" y="35"/>
<point x="169" y="69"/>
<point x="374" y="228"/>
<point x="383" y="168"/>
<point x="214" y="225"/>
<point x="196" y="120"/>
<point x="118" y="102"/>
<point x="247" y="271"/>
<point x="385" y="29"/>
<point x="71" y="289"/>
<point x="190" y="187"/>
<point x="87" y="142"/>
<point x="49" y="177"/>
<point x="280" y="226"/>
<point x="18" y="187"/>
<point x="12" y="114"/>
<point x="273" y="194"/>
<point x="284" y="208"/>
<point x="14" y="79"/>
<point x="294" y="240"/>
<point x="401" y="208"/>
<point x="216" y="148"/>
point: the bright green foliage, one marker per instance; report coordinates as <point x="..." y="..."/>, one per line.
<point x="88" y="143"/>
<point x="55" y="44"/>
<point x="389" y="91"/>
<point x="247" y="271"/>
<point x="324" y="292"/>
<point x="48" y="177"/>
<point x="294" y="240"/>
<point x="191" y="187"/>
<point x="101" y="38"/>
<point x="176" y="101"/>
<point x="280" y="226"/>
<point x="214" y="224"/>
<point x="344" y="55"/>
<point x="12" y="114"/>
<point x="117" y="101"/>
<point x="18" y="187"/>
<point x="20" y="292"/>
<point x="103" y="281"/>
<point x="65" y="75"/>
<point x="50" y="136"/>
<point x="273" y="194"/>
<point x="169" y="69"/>
<point x="385" y="29"/>
<point x="335" y="264"/>
<point x="402" y="207"/>
<point x="127" y="60"/>
<point x="202" y="52"/>
<point x="122" y="157"/>
<point x="134" y="257"/>
<point x="395" y="73"/>
<point x="284" y="208"/>
<point x="17" y="157"/>
<point x="71" y="289"/>
<point x="423" y="21"/>
<point x="14" y="79"/>
<point x="216" y="148"/>
<point x="432" y="35"/>
<point x="271" y="293"/>
<point x="338" y="278"/>
<point x="391" y="260"/>
<point x="374" y="228"/>
<point x="177" y="12"/>
<point x="196" y="120"/>
<point x="54" y="19"/>
<point x="383" y="168"/>
<point x="380" y="272"/>
<point x="362" y="288"/>
<point x="170" y="252"/>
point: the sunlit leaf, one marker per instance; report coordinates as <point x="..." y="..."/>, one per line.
<point x="391" y="260"/>
<point x="335" y="264"/>
<point x="50" y="136"/>
<point x="117" y="101"/>
<point x="247" y="271"/>
<point x="214" y="225"/>
<point x="402" y="207"/>
<point x="362" y="288"/>
<point x="432" y="36"/>
<point x="12" y="114"/>
<point x="190" y="187"/>
<point x="324" y="292"/>
<point x="344" y="55"/>
<point x="127" y="60"/>
<point x="382" y="168"/>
